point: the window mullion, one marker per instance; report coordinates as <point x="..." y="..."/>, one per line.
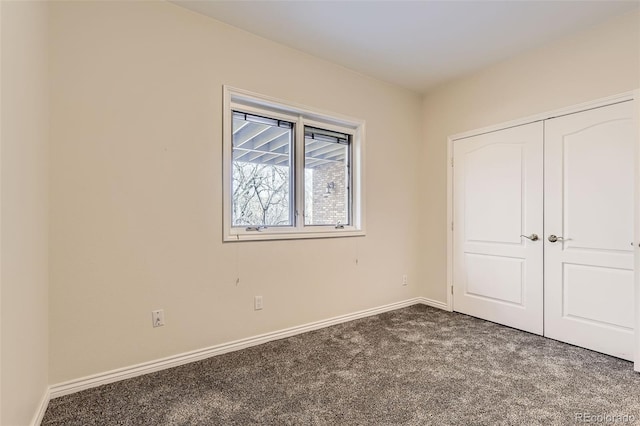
<point x="299" y="174"/>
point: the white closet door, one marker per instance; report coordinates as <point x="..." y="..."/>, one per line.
<point x="498" y="189"/>
<point x="589" y="192"/>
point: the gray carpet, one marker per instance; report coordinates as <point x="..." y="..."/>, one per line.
<point x="412" y="366"/>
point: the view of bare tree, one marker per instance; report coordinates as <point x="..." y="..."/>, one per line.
<point x="260" y="194"/>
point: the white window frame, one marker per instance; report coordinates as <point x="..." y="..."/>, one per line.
<point x="245" y="101"/>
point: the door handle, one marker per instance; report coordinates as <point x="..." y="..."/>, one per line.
<point x="532" y="237"/>
<point x="553" y="238"/>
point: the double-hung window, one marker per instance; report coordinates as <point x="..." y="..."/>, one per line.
<point x="289" y="171"/>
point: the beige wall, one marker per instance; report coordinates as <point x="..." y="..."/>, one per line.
<point x="24" y="210"/>
<point x="595" y="63"/>
<point x="136" y="189"/>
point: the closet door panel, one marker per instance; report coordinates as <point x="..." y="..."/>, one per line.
<point x="498" y="199"/>
<point x="589" y="214"/>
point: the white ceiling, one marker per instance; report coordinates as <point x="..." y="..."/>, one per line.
<point x="415" y="44"/>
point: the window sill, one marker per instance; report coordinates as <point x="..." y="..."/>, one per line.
<point x="292" y="235"/>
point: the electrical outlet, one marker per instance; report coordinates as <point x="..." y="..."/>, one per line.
<point x="157" y="318"/>
<point x="257" y="303"/>
<point x="405" y="280"/>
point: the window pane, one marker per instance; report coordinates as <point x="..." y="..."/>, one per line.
<point x="327" y="178"/>
<point x="262" y="172"/>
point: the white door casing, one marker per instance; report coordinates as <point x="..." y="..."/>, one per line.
<point x="589" y="197"/>
<point x="636" y="256"/>
<point x="497" y="197"/>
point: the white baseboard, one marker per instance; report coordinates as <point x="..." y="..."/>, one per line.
<point x="434" y="303"/>
<point x="95" y="380"/>
<point x="42" y="408"/>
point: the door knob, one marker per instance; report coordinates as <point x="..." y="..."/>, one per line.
<point x="532" y="237"/>
<point x="552" y="238"/>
